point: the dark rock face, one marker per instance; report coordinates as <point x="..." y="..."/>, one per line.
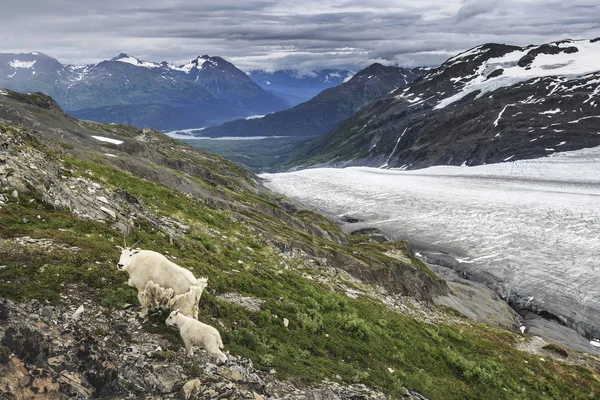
<point x="496" y="73"/>
<point x="128" y="90"/>
<point x="374" y="234"/>
<point x="526" y="60"/>
<point x="28" y="344"/>
<point x="482" y="106"/>
<point x="5" y="306"/>
<point x="325" y="111"/>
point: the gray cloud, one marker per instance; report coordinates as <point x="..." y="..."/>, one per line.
<point x="474" y="8"/>
<point x="275" y="34"/>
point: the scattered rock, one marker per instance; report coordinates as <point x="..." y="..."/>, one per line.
<point x="57" y="362"/>
<point x="286" y="322"/>
<point x="77" y="314"/>
<point x="4" y="354"/>
<point x="5" y="306"/>
<point x="350" y="220"/>
<point x="102" y="199"/>
<point x="15" y="195"/>
<point x="72" y="384"/>
<point x="257" y="396"/>
<point x="47" y="311"/>
<point x="17" y="381"/>
<point x="375" y="234"/>
<point x="249" y="303"/>
<point x="556" y="349"/>
<point x="109" y="212"/>
<point x="27" y="344"/>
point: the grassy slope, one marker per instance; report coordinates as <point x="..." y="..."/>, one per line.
<point x="329" y="334"/>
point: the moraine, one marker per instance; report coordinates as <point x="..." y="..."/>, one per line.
<point x="528" y="228"/>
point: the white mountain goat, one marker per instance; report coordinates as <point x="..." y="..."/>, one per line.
<point x="195" y="332"/>
<point x="155" y="296"/>
<point x="161" y="282"/>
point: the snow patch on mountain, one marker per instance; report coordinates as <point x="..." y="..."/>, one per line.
<point x="108" y="140"/>
<point x="569" y="64"/>
<point x="22" y="64"/>
<point x="555" y="111"/>
<point x="256" y="116"/>
<point x="187" y="68"/>
<point x="137" y="62"/>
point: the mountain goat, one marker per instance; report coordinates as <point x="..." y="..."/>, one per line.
<point x="154" y="296"/>
<point x="195" y="332"/>
<point x="160" y="281"/>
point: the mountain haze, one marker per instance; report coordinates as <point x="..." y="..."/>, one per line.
<point x="298" y="87"/>
<point x="326" y="110"/>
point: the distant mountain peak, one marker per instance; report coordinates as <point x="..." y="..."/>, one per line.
<point x="126" y="58"/>
<point x="121" y="56"/>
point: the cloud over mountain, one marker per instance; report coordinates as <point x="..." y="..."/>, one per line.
<point x="288" y="34"/>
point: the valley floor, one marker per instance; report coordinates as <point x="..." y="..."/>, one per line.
<point x="528" y="228"/>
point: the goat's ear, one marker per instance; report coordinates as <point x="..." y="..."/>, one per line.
<point x="177" y="311"/>
<point x="135" y="251"/>
<point x="120" y="248"/>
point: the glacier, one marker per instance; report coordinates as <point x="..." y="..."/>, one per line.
<point x="530" y="229"/>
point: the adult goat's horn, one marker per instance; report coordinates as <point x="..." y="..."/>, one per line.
<point x="133" y="246"/>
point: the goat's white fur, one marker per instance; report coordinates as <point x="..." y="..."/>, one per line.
<point x="155" y="296"/>
<point x="161" y="282"/>
<point x="194" y="332"/>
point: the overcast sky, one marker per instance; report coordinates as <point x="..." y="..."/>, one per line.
<point x="276" y="34"/>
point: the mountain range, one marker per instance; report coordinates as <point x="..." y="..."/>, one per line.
<point x="298" y="87"/>
<point x="492" y="103"/>
<point x="325" y="111"/>
<point x="125" y="89"/>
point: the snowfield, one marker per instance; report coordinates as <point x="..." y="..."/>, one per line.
<point x="108" y="140"/>
<point x="577" y="64"/>
<point x="531" y="227"/>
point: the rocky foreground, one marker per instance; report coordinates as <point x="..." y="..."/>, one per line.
<point x="59" y="352"/>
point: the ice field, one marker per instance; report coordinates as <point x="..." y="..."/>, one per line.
<point x="531" y="226"/>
